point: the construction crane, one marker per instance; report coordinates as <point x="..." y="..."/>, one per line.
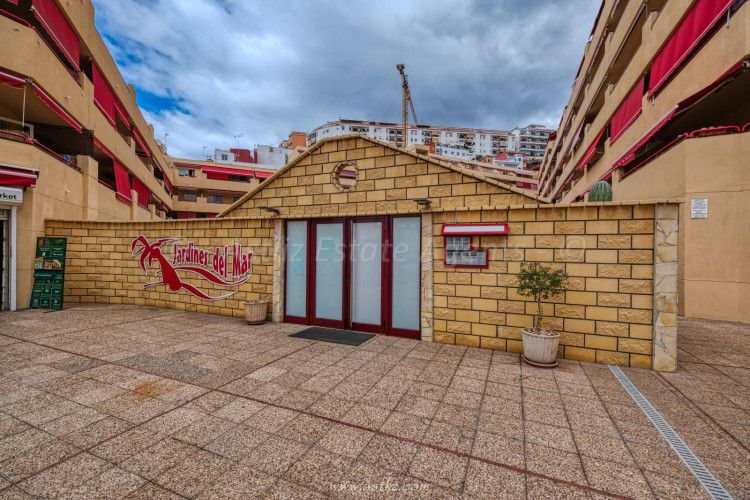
<point x="406" y="104"/>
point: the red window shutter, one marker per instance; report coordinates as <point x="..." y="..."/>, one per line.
<point x="141" y="142"/>
<point x="122" y="182"/>
<point x="629" y="110"/>
<point x="103" y="96"/>
<point x="703" y="15"/>
<point x="55" y="23"/>
<point x="143" y="193"/>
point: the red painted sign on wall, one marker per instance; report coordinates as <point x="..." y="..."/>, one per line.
<point x="212" y="266"/>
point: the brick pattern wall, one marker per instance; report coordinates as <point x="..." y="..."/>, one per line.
<point x="608" y="254"/>
<point x="387" y="182"/>
<point x="101" y="269"/>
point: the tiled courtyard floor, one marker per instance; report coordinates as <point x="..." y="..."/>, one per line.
<point x="119" y="401"/>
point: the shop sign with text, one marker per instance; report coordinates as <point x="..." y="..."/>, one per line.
<point x="188" y="260"/>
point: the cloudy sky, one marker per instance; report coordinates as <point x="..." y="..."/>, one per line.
<point x="206" y="70"/>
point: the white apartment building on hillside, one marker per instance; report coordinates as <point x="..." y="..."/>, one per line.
<point x="460" y="142"/>
<point x="531" y="140"/>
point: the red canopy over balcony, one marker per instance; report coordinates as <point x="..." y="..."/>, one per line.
<point x="55" y="23"/>
<point x="629" y="110"/>
<point x="263" y="175"/>
<point x="15" y="81"/>
<point x="57" y="108"/>
<point x="590" y="153"/>
<point x="141" y="142"/>
<point x="226" y="171"/>
<point x="696" y="25"/>
<point x="21" y="177"/>
<point x="103" y="96"/>
<point x="143" y="193"/>
<point x="122" y="182"/>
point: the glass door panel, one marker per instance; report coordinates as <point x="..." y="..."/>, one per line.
<point x="405" y="284"/>
<point x="329" y="272"/>
<point x="296" y="269"/>
<point x="367" y="275"/>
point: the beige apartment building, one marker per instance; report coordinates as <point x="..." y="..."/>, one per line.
<point x="74" y="144"/>
<point x="660" y="109"/>
<point x="204" y="188"/>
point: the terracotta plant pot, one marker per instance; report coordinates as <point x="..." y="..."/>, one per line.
<point x="255" y="311"/>
<point x="540" y="350"/>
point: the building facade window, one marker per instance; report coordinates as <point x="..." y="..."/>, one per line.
<point x="188" y="197"/>
<point x="215" y="198"/>
<point x="186" y="172"/>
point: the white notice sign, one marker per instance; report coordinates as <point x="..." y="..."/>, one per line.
<point x="699" y="208"/>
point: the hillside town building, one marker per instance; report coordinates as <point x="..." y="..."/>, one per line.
<point x="531" y="140"/>
<point x="459" y="142"/>
<point x="660" y="108"/>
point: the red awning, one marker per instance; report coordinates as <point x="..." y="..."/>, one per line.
<point x="55" y="23"/>
<point x="141" y="142"/>
<point x="120" y="111"/>
<point x="590" y="153"/>
<point x="693" y="28"/>
<point x="227" y="171"/>
<point x="103" y="96"/>
<point x="263" y="175"/>
<point x="15" y="81"/>
<point x="218" y="177"/>
<point x="168" y="184"/>
<point x="186" y="215"/>
<point x="122" y="181"/>
<point x="18" y="177"/>
<point x="630" y="154"/>
<point x="629" y="110"/>
<point x="143" y="193"/>
<point x="57" y="108"/>
<point x="13" y="1"/>
<point x="211" y="216"/>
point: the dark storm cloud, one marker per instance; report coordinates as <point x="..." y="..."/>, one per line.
<point x="209" y="70"/>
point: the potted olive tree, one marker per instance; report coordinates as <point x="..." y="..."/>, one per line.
<point x="540" y="283"/>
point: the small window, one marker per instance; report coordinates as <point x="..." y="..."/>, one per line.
<point x="188" y="197"/>
<point x="215" y="198"/>
<point x="235" y="199"/>
<point x="460" y="253"/>
<point x="186" y="172"/>
<point x="239" y="178"/>
<point x="224" y="157"/>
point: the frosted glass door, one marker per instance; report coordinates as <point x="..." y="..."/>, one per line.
<point x="296" y="268"/>
<point x="367" y="266"/>
<point x="405" y="271"/>
<point x="329" y="271"/>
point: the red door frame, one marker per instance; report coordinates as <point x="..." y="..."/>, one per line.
<point x="301" y="320"/>
<point x="386" y="278"/>
<point x="402" y="332"/>
<point x="384" y="273"/>
<point x="345" y="274"/>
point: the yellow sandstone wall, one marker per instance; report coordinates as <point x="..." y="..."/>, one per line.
<point x="101" y="269"/>
<point x="608" y="253"/>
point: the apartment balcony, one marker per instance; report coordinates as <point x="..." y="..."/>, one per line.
<point x="201" y="205"/>
<point x="201" y="181"/>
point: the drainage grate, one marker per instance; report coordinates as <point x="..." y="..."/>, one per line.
<point x="700" y="471"/>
